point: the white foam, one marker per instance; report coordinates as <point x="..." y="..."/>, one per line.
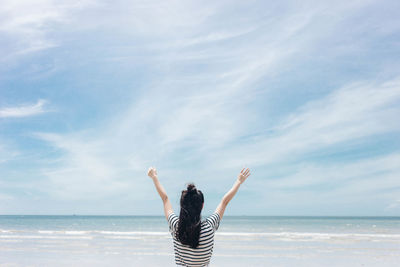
<point x="63" y="232"/>
<point x="295" y="236"/>
<point x="46" y="232"/>
<point x="133" y="233"/>
<point x="299" y="235"/>
<point x="43" y="237"/>
<point x="76" y="232"/>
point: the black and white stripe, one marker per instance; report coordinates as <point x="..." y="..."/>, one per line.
<point x="200" y="256"/>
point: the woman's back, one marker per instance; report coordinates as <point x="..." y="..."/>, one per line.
<point x="201" y="255"/>
<point x="193" y="245"/>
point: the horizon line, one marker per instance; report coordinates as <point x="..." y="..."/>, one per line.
<point x="144" y="215"/>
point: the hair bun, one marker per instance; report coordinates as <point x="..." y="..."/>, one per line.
<point x="191" y="188"/>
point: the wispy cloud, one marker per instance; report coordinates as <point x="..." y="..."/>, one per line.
<point x="23" y="110"/>
<point x="166" y="119"/>
<point x="29" y="24"/>
<point x="348" y="114"/>
<point x="394" y="205"/>
<point x="211" y="87"/>
<point x="343" y="178"/>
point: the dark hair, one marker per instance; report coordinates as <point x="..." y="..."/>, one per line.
<point x="189" y="224"/>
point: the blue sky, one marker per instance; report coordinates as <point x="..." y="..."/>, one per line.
<point x="306" y="94"/>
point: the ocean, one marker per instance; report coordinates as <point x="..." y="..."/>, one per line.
<point x="29" y="240"/>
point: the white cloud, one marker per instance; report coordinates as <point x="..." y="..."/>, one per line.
<point x="355" y="111"/>
<point x="23" y="110"/>
<point x="393" y="206"/>
<point x="7" y="151"/>
<point x="178" y="113"/>
<point x="5" y="197"/>
<point x="190" y="114"/>
<point x="26" y="24"/>
<point x="82" y="173"/>
<point x="360" y="187"/>
<point x="350" y="177"/>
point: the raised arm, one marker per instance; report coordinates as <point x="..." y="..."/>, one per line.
<point x="231" y="193"/>
<point x="152" y="173"/>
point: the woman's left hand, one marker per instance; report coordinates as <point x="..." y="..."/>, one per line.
<point x="152" y="173"/>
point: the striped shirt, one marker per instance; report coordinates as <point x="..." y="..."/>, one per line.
<point x="200" y="256"/>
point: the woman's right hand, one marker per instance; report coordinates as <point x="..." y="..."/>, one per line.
<point x="152" y="173"/>
<point x="243" y="175"/>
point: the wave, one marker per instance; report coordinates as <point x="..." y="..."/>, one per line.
<point x="308" y="234"/>
<point x="43" y="237"/>
<point x="292" y="236"/>
<point x="132" y="233"/>
<point x="63" y="232"/>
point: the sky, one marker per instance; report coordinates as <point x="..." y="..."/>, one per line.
<point x="304" y="93"/>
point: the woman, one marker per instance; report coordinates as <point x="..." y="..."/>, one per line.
<point x="194" y="239"/>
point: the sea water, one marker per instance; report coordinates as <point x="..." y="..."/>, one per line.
<point x="29" y="240"/>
